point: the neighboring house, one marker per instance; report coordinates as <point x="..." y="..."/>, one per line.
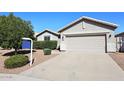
<point x="47" y="35"/>
<point x="35" y="34"/>
<point x="120" y="42"/>
<point x="88" y="35"/>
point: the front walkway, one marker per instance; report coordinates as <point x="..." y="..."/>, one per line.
<point x="77" y="66"/>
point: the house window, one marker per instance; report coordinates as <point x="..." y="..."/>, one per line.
<point x="47" y="38"/>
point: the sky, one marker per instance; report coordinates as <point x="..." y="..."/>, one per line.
<point x="57" y="20"/>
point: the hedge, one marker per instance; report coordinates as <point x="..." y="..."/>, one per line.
<point x="37" y="45"/>
<point x="16" y="61"/>
<point x="45" y="44"/>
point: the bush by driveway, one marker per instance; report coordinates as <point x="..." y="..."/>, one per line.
<point x="38" y="55"/>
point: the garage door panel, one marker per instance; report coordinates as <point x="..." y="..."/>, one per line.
<point x="89" y="43"/>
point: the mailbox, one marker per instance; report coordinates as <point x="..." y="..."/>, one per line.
<point x="26" y="44"/>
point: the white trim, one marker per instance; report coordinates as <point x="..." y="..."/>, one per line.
<point x="46" y="36"/>
<point x="87" y="33"/>
<point x="101" y="21"/>
<point x="25" y="38"/>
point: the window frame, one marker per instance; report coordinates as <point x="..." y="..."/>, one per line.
<point x="47" y="38"/>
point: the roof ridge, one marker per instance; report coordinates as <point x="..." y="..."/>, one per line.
<point x="48" y="31"/>
<point x="88" y="18"/>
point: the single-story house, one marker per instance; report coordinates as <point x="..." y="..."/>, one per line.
<point x="88" y="35"/>
<point x="120" y="42"/>
<point x="47" y="35"/>
<point x="84" y="34"/>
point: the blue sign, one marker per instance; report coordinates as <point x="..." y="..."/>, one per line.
<point x="26" y="44"/>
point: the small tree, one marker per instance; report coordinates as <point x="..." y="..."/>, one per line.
<point x="12" y="30"/>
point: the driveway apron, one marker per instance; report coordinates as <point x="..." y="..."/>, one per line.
<point x="77" y="66"/>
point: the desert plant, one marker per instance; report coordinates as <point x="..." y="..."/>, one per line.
<point x="47" y="51"/>
<point x="16" y="61"/>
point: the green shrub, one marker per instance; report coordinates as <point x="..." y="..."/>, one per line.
<point x="45" y="44"/>
<point x="16" y="61"/>
<point x="37" y="44"/>
<point x="47" y="51"/>
<point x="4" y="45"/>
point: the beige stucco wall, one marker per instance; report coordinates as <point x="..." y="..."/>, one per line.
<point x="75" y="28"/>
<point x="88" y="26"/>
<point x="93" y="26"/>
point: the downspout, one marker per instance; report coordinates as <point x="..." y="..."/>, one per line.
<point x="62" y="43"/>
<point x="106" y="50"/>
<point x="116" y="45"/>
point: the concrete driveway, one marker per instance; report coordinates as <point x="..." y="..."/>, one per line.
<point x="15" y="77"/>
<point x="77" y="66"/>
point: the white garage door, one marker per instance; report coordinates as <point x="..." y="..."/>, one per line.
<point x="85" y="43"/>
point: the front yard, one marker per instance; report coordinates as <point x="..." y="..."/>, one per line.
<point x="38" y="56"/>
<point x="118" y="58"/>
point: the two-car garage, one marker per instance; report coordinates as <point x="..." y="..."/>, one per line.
<point x="88" y="35"/>
<point x="86" y="43"/>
